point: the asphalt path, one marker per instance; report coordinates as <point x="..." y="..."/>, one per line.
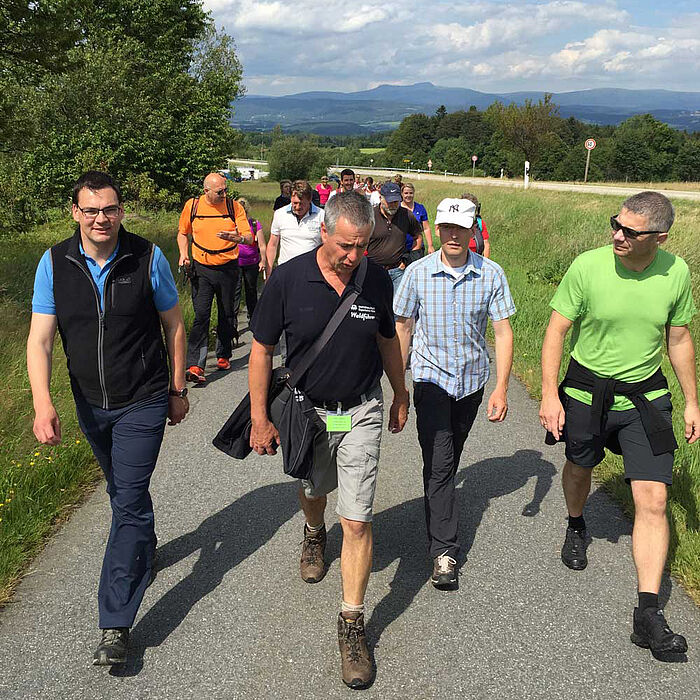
<point x="229" y="617"/>
<point x="612" y="190"/>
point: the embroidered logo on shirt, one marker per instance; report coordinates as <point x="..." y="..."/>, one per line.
<point x="124" y="280"/>
<point x="363" y="313"/>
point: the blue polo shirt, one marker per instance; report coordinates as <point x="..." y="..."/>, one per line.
<point x="164" y="289"/>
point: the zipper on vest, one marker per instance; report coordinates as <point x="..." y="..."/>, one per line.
<point x="100" y="333"/>
<point x="101" y="323"/>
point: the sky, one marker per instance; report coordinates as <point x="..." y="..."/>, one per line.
<point x="492" y="46"/>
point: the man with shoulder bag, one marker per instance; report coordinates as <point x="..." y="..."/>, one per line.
<point x="343" y="385"/>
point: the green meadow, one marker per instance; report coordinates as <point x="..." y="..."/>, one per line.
<point x="534" y="236"/>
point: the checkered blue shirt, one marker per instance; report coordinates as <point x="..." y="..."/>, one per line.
<point x="449" y="343"/>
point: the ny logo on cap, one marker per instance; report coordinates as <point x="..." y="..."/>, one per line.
<point x="454" y="207"/>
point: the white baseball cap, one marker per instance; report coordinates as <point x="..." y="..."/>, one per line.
<point x="460" y="212"/>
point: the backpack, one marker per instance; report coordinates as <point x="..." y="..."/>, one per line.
<point x="231" y="214"/>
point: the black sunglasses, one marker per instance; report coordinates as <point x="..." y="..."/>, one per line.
<point x="627" y="232"/>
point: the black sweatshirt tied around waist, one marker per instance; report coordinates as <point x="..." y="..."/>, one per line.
<point x="604" y="389"/>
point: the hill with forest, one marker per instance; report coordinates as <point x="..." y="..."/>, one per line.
<point x="382" y="108"/>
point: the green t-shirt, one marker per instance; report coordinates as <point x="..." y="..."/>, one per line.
<point x="620" y="316"/>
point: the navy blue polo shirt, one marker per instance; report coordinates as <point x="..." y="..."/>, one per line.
<point x="298" y="300"/>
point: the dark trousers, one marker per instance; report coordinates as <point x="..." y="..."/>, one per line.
<point x="221" y="282"/>
<point x="248" y="280"/>
<point x="443" y="426"/>
<point x="126" y="442"/>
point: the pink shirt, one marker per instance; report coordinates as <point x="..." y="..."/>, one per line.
<point x="250" y="254"/>
<point x="323" y="192"/>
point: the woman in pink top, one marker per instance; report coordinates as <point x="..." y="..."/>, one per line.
<point x="251" y="261"/>
<point x="324" y="190"/>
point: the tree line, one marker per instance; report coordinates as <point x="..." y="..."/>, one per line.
<point x="142" y="88"/>
<point x="502" y="137"/>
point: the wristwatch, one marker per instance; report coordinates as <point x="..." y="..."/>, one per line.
<point x="178" y="392"/>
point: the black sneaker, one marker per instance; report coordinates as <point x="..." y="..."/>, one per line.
<point x="112" y="648"/>
<point x="651" y="631"/>
<point x="573" y="553"/>
<point x="444" y="572"/>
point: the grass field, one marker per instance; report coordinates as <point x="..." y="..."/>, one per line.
<point x="535" y="236"/>
<point x="370" y="151"/>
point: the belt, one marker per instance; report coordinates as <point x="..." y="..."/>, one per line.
<point x="348" y="403"/>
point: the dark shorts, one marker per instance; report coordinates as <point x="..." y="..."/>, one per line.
<point x="586" y="450"/>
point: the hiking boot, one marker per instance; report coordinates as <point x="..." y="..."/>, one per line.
<point x="195" y="374"/>
<point x="223" y="363"/>
<point x="573" y="552"/>
<point x="651" y="631"/>
<point x="356" y="662"/>
<point x="312" y="566"/>
<point x="112" y="647"/>
<point x="444" y="572"/>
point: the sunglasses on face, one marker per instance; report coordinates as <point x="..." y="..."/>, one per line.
<point x="626" y="230"/>
<point x="220" y="192"/>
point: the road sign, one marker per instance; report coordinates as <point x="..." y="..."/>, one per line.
<point x="474" y="159"/>
<point x="590" y="145"/>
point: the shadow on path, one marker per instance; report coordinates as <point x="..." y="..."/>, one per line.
<point x="224" y="540"/>
<point x="399" y="532"/>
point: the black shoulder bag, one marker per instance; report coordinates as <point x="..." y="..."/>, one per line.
<point x="289" y="408"/>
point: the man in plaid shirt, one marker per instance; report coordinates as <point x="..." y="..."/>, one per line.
<point x="450" y="295"/>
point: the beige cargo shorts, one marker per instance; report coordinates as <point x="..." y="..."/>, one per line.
<point x="348" y="461"/>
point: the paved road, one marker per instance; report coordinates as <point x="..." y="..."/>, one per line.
<point x="229" y="617"/>
<point x="612" y="190"/>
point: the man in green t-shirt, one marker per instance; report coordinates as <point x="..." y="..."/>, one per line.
<point x="623" y="301"/>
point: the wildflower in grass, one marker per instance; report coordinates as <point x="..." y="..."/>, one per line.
<point x="77" y="442"/>
<point x="31" y="464"/>
<point x="36" y="454"/>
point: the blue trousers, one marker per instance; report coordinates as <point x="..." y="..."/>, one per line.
<point x="396" y="275"/>
<point x="126" y="442"/>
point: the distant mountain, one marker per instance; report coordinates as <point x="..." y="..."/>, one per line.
<point x="385" y="106"/>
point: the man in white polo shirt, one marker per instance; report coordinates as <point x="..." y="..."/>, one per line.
<point x="296" y="228"/>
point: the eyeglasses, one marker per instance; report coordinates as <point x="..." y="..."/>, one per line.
<point x="626" y="231"/>
<point x="220" y="192"/>
<point x="111" y="212"/>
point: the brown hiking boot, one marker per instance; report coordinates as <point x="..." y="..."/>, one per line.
<point x="354" y="655"/>
<point x="312" y="566"/>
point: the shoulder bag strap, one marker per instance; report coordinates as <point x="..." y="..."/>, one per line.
<point x="336" y="319"/>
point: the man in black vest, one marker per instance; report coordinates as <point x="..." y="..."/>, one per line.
<point x="109" y="292"/>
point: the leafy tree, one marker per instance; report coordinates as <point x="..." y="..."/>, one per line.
<point x="646" y="148"/>
<point x="526" y="128"/>
<point x="687" y="161"/>
<point x="148" y="90"/>
<point x="412" y="140"/>
<point x="292" y="159"/>
<point x="38" y="34"/>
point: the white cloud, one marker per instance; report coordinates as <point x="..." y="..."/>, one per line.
<point x="492" y="45"/>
